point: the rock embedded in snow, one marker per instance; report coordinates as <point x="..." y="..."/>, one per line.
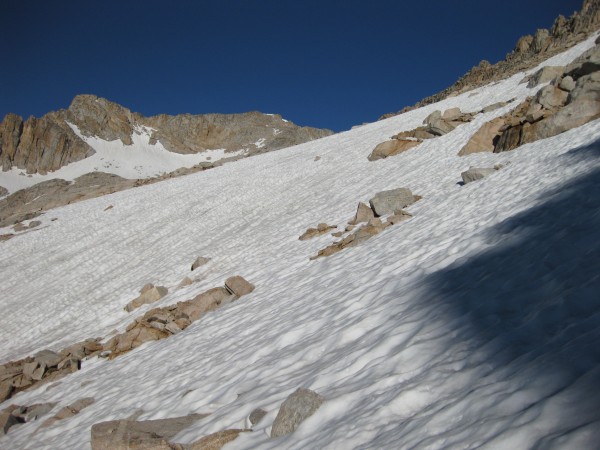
<point x="31" y="413"/>
<point x="386" y="202"/>
<point x="298" y="407"/>
<point x="3" y="191"/>
<point x="185" y="282"/>
<point x="391" y="148"/>
<point x="256" y="416"/>
<point x="364" y="213"/>
<point x="483" y="139"/>
<point x="6" y="389"/>
<point x="69" y="411"/>
<point x="238" y="286"/>
<point x="200" y="261"/>
<point x="321" y="229"/>
<point x="150" y="295"/>
<point x="47" y="358"/>
<point x="214" y="441"/>
<point x="147" y="434"/>
<point x="7" y="419"/>
<point x="476" y="173"/>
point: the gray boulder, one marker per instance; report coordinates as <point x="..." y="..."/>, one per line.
<point x="386" y="202"/>
<point x="573" y="115"/>
<point x="586" y="63"/>
<point x="567" y="84"/>
<point x="3" y="191"/>
<point x="551" y="97"/>
<point x="47" y="358"/>
<point x="545" y="74"/>
<point x="476" y="173"/>
<point x="586" y="87"/>
<point x="298" y="407"/>
<point x="256" y="416"/>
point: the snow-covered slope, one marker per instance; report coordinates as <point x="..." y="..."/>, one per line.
<point x="139" y="160"/>
<point x="473" y="325"/>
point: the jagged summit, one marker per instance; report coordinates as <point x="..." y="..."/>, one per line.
<point x="529" y="51"/>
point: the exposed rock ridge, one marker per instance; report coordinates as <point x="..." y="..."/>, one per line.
<point x="529" y="51"/>
<point x="48" y="143"/>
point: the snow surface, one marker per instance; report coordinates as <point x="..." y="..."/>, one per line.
<point x="475" y="324"/>
<point x="139" y="160"/>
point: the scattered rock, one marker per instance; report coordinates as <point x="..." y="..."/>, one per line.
<point x="364" y="213"/>
<point x="238" y="286"/>
<point x="476" y="173"/>
<point x="298" y="407"/>
<point x="398" y="216"/>
<point x="160" y="323"/>
<point x="495" y="106"/>
<point x="386" y="202"/>
<point x="148" y="434"/>
<point x="7" y="419"/>
<point x="149" y="295"/>
<point x="185" y="282"/>
<point x="256" y="416"/>
<point x="317" y="158"/>
<point x="215" y="441"/>
<point x="200" y="261"/>
<point x="31" y="413"/>
<point x="6" y="389"/>
<point x="321" y="229"/>
<point x="69" y="411"/>
<point x="567" y="84"/>
<point x="18" y="227"/>
<point x="391" y="148"/>
<point x="47" y="358"/>
<point x="3" y="191"/>
<point x="545" y="74"/>
<point x="108" y="207"/>
<point x="484" y="139"/>
<point x="34" y="223"/>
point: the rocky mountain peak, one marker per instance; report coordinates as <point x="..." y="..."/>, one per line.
<point x="529" y="51"/>
<point x="48" y="143"/>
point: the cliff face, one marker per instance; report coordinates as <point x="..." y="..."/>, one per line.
<point x="528" y="52"/>
<point x="48" y="143"/>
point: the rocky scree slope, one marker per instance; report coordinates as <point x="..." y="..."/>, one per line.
<point x="49" y="143"/>
<point x="529" y="51"/>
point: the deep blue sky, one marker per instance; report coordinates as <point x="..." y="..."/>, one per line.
<point x="328" y="63"/>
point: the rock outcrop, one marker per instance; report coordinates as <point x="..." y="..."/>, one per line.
<point x="146" y="434"/>
<point x="148" y="294"/>
<point x="529" y="51"/>
<point x="160" y="323"/>
<point x="310" y="233"/>
<point x="44" y="366"/>
<point x="41" y="145"/>
<point x="436" y="124"/>
<point x="569" y="101"/>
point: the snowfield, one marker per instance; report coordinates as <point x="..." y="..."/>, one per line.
<point x="139" y="160"/>
<point x="475" y="324"/>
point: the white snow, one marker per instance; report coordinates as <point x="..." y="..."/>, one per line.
<point x="139" y="160"/>
<point x="472" y="325"/>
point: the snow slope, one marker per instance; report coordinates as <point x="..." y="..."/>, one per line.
<point x="473" y="325"/>
<point x="139" y="160"/>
